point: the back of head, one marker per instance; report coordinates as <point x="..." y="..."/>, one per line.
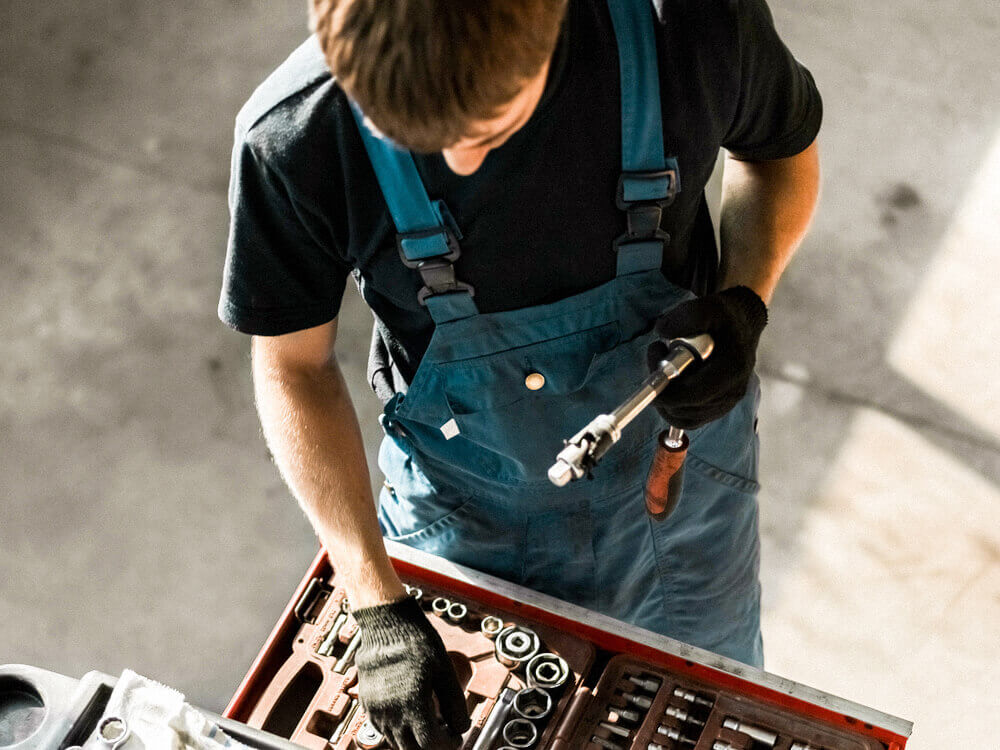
<point x="424" y="70"/>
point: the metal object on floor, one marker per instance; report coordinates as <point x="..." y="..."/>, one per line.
<point x="584" y="450"/>
<point x="439" y="606"/>
<point x="457" y="611"/>
<point x="516" y="645"/>
<point x="547" y="670"/>
<point x="520" y="733"/>
<point x="758" y="734"/>
<point x="494" y="722"/>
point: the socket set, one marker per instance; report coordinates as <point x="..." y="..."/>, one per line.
<point x="539" y="674"/>
<point x="637" y="706"/>
<point x="518" y="677"/>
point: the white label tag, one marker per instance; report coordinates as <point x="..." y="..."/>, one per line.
<point x="449" y="429"/>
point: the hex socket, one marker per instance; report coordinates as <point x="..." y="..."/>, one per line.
<point x="516" y="645"/>
<point x="547" y="671"/>
<point x="520" y="733"/>
<point x="532" y="703"/>
<point x="491" y="626"/>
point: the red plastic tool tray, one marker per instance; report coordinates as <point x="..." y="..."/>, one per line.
<point x="624" y="687"/>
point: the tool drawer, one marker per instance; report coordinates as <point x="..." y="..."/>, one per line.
<point x="539" y="673"/>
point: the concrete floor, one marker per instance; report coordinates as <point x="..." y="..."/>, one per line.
<point x="143" y="526"/>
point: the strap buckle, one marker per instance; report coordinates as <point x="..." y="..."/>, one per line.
<point x="437" y="271"/>
<point x="425" y="237"/>
<point x="439" y="278"/>
<point x="643" y="196"/>
<point x="656" y="188"/>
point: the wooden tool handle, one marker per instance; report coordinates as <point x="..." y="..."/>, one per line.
<point x="666" y="475"/>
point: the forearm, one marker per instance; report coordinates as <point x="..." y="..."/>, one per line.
<point x="312" y="430"/>
<point x="767" y="207"/>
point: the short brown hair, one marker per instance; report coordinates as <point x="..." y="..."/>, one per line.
<point x="424" y="70"/>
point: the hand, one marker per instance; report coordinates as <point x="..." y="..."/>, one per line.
<point x="402" y="665"/>
<point x="708" y="390"/>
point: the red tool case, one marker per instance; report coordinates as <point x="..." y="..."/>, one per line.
<point x="627" y="688"/>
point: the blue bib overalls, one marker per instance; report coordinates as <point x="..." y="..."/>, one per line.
<point x="468" y="445"/>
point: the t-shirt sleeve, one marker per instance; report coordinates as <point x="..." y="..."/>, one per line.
<point x="779" y="108"/>
<point x="281" y="274"/>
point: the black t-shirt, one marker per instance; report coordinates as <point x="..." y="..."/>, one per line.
<point x="539" y="216"/>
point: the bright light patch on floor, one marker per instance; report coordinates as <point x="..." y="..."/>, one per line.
<point x="948" y="343"/>
<point x="894" y="587"/>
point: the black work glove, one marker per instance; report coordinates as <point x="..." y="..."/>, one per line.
<point x="402" y="665"/>
<point x="707" y="390"/>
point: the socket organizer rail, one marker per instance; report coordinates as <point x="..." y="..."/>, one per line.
<point x="540" y="673"/>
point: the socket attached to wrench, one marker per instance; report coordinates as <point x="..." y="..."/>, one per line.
<point x="584" y="450"/>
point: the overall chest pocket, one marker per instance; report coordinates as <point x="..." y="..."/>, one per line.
<point x="538" y="371"/>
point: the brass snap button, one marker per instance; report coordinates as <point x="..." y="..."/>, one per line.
<point x="534" y="381"/>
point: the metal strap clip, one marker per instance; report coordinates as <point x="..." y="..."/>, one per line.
<point x="436" y="271"/>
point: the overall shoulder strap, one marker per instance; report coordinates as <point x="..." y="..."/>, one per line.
<point x="649" y="180"/>
<point x="426" y="238"/>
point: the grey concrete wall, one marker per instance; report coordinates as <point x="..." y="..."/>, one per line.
<point x="142" y="524"/>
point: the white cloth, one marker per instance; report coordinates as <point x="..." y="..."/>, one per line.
<point x="158" y="719"/>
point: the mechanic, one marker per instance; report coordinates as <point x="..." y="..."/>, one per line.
<point x="516" y="187"/>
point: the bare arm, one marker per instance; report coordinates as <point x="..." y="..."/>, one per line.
<point x="766" y="209"/>
<point x="312" y="430"/>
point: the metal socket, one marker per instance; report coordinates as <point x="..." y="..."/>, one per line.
<point x="691" y="697"/>
<point x="491" y="626"/>
<point x="680" y="713"/>
<point x="368" y="737"/>
<point x="547" y="670"/>
<point x="649" y="684"/>
<point x="617" y="714"/>
<point x="520" y="733"/>
<point x="759" y="734"/>
<point x="457" y="611"/>
<point x="638" y="700"/>
<point x="414" y="591"/>
<point x="516" y="645"/>
<point x="439" y="606"/>
<point x="615" y="729"/>
<point x="533" y="703"/>
<point x="607" y="744"/>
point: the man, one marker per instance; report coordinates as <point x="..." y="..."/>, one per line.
<point x="545" y="235"/>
